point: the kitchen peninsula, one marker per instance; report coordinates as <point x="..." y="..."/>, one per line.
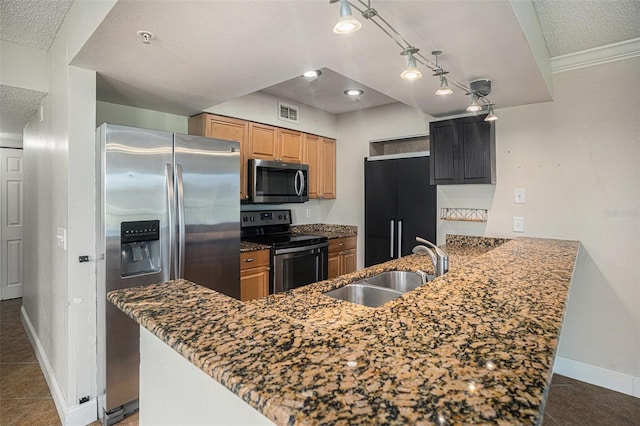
<point x="475" y="345"/>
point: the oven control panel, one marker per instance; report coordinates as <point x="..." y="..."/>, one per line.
<point x="265" y="217"/>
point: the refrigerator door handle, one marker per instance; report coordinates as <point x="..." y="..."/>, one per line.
<point x="399" y="238"/>
<point x="392" y="225"/>
<point x="180" y="218"/>
<point x="171" y="211"/>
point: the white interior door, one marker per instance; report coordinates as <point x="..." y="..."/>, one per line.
<point x="11" y="216"/>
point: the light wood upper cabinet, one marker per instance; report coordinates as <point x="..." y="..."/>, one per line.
<point x="311" y="157"/>
<point x="263" y="141"/>
<point x="327" y="187"/>
<point x="320" y="155"/>
<point x="266" y="142"/>
<point x="290" y="146"/>
<point x="219" y="127"/>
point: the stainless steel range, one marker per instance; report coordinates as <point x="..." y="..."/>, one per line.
<point x="296" y="259"/>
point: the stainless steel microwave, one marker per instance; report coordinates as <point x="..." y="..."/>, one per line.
<point x="276" y="182"/>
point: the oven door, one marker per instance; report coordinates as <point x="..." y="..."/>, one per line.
<point x="297" y="266"/>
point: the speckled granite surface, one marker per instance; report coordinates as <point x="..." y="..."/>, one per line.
<point x="473" y="346"/>
<point x="329" y="231"/>
<point x="249" y="246"/>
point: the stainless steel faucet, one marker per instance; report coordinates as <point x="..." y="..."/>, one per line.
<point x="438" y="257"/>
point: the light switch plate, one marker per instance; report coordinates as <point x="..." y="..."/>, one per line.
<point x="61" y="238"/>
<point x="518" y="195"/>
<point x="518" y="224"/>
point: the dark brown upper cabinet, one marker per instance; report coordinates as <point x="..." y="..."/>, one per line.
<point x="463" y="151"/>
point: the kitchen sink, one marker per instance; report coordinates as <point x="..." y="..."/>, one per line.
<point x="364" y="294"/>
<point x="380" y="289"/>
<point x="402" y="281"/>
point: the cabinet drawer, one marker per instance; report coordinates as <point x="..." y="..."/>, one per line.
<point x="344" y="243"/>
<point x="254" y="259"/>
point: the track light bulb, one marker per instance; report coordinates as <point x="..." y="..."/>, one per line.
<point x="444" y="88"/>
<point x="475" y="106"/>
<point x="411" y="72"/>
<point x="491" y="116"/>
<point x="347" y="23"/>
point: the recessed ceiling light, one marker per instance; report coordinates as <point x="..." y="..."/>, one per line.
<point x="353" y="92"/>
<point x="312" y="74"/>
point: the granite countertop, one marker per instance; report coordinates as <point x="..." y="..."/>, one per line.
<point x="329" y="231"/>
<point x="473" y="346"/>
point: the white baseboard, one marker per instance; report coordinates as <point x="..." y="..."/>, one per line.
<point x="77" y="415"/>
<point x="613" y="380"/>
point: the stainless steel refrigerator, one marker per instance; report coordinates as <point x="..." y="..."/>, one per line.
<point x="400" y="205"/>
<point x="168" y="208"/>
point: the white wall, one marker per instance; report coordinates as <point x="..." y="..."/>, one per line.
<point x="137" y="117"/>
<point x="577" y="158"/>
<point x="59" y="296"/>
<point x="24" y="67"/>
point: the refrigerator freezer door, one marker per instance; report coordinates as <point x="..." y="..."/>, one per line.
<point x="399" y="205"/>
<point x="381" y="205"/>
<point x="133" y="227"/>
<point x="416" y="202"/>
<point x="209" y="183"/>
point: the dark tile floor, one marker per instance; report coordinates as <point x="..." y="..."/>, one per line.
<point x="25" y="398"/>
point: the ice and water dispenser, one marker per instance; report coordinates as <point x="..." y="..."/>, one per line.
<point x="140" y="247"/>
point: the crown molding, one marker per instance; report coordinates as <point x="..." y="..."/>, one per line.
<point x="600" y="55"/>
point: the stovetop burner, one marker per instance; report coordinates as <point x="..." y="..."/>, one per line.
<point x="273" y="228"/>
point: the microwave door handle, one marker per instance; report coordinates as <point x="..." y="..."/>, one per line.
<point x="298" y="183"/>
<point x="302" y="183"/>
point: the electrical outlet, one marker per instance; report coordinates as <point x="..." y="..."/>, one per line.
<point x="518" y="195"/>
<point x="308" y="213"/>
<point x="518" y="224"/>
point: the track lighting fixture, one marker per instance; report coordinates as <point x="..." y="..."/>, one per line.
<point x="475" y="106"/>
<point x="491" y="116"/>
<point x="444" y="88"/>
<point x="479" y="89"/>
<point x="411" y="72"/>
<point x="347" y="23"/>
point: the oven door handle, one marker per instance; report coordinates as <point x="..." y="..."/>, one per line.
<point x="304" y="249"/>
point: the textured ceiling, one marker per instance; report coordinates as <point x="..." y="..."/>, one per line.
<point x="32" y="23"/>
<point x="17" y="107"/>
<point x="573" y="26"/>
<point x="568" y="27"/>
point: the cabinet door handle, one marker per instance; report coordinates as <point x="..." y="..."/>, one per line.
<point x="249" y="259"/>
<point x="341" y="244"/>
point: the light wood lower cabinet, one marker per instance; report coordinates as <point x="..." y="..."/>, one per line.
<point x="342" y="256"/>
<point x="254" y="274"/>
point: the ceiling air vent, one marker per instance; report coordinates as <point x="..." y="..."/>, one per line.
<point x="288" y="112"/>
